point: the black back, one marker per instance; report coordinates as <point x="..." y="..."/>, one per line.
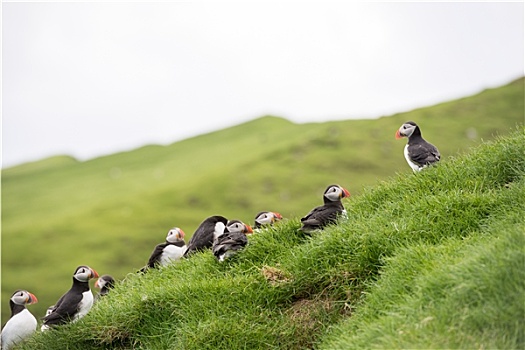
<point x="321" y="216"/>
<point x="203" y="237"/>
<point x="229" y="241"/>
<point x="67" y="306"/>
<point x="420" y="151"/>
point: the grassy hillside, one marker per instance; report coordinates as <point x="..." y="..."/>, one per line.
<point x="109" y="212"/>
<point x="427" y="260"/>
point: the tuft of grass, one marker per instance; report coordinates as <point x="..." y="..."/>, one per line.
<point x="427" y="260"/>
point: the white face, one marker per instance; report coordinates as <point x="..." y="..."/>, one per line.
<point x="268" y="217"/>
<point x="100" y="283"/>
<point x="83" y="273"/>
<point x="334" y="193"/>
<point x="237" y="226"/>
<point x="265" y="218"/>
<point x="406" y="129"/>
<point x="174" y="235"/>
<point x="23" y="297"/>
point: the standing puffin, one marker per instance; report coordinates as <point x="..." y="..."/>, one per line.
<point x="266" y="218"/>
<point x="205" y="234"/>
<point x="232" y="240"/>
<point x="76" y="302"/>
<point x="169" y="251"/>
<point x="104" y="283"/>
<point x="418" y="152"/>
<point x="328" y="213"/>
<point x="22" y="323"/>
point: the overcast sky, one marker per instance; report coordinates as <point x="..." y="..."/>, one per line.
<point x="89" y="79"/>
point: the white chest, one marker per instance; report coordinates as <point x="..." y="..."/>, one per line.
<point x="170" y="253"/>
<point x="85" y="305"/>
<point x="413" y="165"/>
<point x="219" y="230"/>
<point x="19" y="327"/>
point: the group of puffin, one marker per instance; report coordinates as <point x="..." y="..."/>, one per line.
<point x="224" y="237"/>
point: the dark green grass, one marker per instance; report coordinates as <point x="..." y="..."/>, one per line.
<point x="427" y="260"/>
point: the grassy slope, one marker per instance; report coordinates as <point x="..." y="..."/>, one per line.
<point x="110" y="212"/>
<point x="428" y="260"/>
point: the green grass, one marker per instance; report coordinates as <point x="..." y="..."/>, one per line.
<point x="463" y="293"/>
<point x="427" y="260"/>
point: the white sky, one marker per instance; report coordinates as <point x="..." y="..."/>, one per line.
<point x="93" y="78"/>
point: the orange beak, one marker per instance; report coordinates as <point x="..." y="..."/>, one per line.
<point x="248" y="229"/>
<point x="398" y="135"/>
<point x="94" y="274"/>
<point x="345" y="193"/>
<point x="33" y="299"/>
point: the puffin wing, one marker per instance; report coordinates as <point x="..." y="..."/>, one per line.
<point x="64" y="309"/>
<point x="200" y="242"/>
<point x="155" y="255"/>
<point x="229" y="241"/>
<point x="321" y="216"/>
<point x="424" y="154"/>
<point x="201" y="239"/>
<point x="206" y="232"/>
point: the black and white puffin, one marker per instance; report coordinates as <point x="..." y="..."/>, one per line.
<point x="327" y="213"/>
<point x="48" y="311"/>
<point x="169" y="251"/>
<point x="418" y="152"/>
<point x="22" y="323"/>
<point x="206" y="233"/>
<point x="233" y="239"/>
<point x="104" y="283"/>
<point x="265" y="218"/>
<point x="76" y="302"/>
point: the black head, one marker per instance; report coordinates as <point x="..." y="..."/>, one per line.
<point x="334" y="193"/>
<point x="238" y="226"/>
<point x="84" y="273"/>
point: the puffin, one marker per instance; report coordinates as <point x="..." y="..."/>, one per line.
<point x="265" y="218"/>
<point x="48" y="311"/>
<point x="327" y="213"/>
<point x="169" y="251"/>
<point x="104" y="283"/>
<point x="233" y="239"/>
<point x="418" y="152"/>
<point x="22" y="323"/>
<point x="206" y="233"/>
<point x="76" y="302"/>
